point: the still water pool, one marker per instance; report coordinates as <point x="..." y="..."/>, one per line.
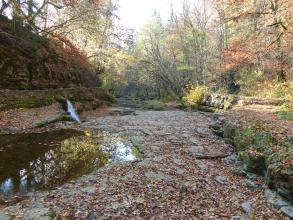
<point x="35" y="161"/>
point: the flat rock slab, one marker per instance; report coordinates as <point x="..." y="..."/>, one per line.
<point x="196" y="150"/>
<point x="4" y="216"/>
<point x="37" y="213"/>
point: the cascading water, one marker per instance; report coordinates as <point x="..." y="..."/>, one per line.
<point x="71" y="111"/>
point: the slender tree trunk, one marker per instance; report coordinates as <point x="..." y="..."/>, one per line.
<point x="281" y="75"/>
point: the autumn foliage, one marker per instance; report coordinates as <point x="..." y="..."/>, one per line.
<point x="257" y="35"/>
<point x="32" y="61"/>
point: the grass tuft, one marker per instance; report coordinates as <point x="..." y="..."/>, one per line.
<point x="155" y="105"/>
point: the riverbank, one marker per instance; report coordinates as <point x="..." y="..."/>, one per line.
<point x="23" y="110"/>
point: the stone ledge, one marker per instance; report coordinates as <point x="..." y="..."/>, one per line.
<point x="220" y="101"/>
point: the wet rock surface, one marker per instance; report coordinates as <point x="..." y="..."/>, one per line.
<point x="170" y="181"/>
<point x="5" y="216"/>
<point x="288" y="211"/>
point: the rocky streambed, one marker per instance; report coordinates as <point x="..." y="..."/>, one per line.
<point x="185" y="171"/>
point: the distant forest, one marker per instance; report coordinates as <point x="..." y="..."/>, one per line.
<point x="238" y="47"/>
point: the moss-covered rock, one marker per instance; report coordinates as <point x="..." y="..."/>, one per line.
<point x="88" y="98"/>
<point x="255" y="162"/>
<point x="32" y="101"/>
<point x="219" y="101"/>
<point x="243" y="139"/>
<point x="264" y="155"/>
<point x="280" y="169"/>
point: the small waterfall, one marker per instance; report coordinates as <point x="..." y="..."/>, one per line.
<point x="71" y="111"/>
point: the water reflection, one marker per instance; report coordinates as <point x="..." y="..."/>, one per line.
<point x="43" y="161"/>
<point x="118" y="149"/>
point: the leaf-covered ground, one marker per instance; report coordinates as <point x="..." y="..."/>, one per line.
<point x="183" y="176"/>
<point x="266" y="115"/>
<point x="17" y="120"/>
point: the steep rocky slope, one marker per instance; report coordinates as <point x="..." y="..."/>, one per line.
<point x="31" y="61"/>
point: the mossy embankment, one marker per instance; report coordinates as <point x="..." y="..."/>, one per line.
<point x="263" y="141"/>
<point x="266" y="154"/>
<point x="84" y="98"/>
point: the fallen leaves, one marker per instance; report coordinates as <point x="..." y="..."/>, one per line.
<point x="168" y="184"/>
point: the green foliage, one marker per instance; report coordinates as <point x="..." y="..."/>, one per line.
<point x="254" y="146"/>
<point x="136" y="153"/>
<point x="262" y="143"/>
<point x="107" y="96"/>
<point x="277" y="90"/>
<point x="29" y="103"/>
<point x="256" y="84"/>
<point x="243" y="138"/>
<point x="259" y="150"/>
<point x="155" y="104"/>
<point x="285" y="115"/>
<point x="254" y="162"/>
<point x="45" y="101"/>
<point x="169" y="56"/>
<point x="153" y="30"/>
<point x="254" y="139"/>
<point x="229" y="134"/>
<point x="282" y="159"/>
<point x="286" y="107"/>
<point x="194" y="96"/>
<point x="182" y="68"/>
<point x="286" y="112"/>
<point x="18" y="103"/>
